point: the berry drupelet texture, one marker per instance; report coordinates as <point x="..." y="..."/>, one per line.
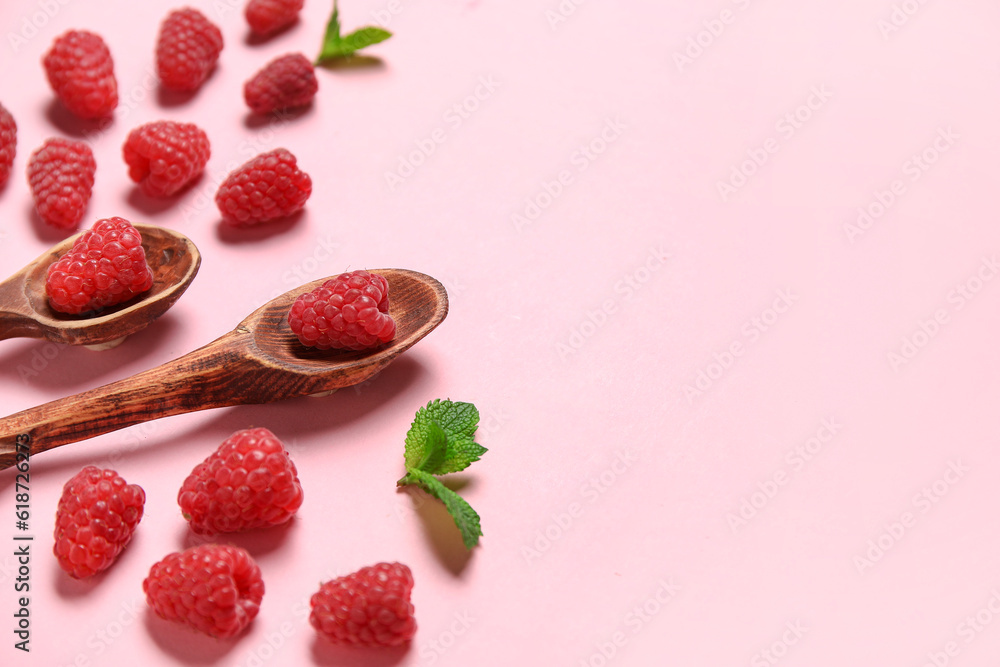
<point x="370" y="607"/>
<point x="106" y="266"/>
<point x="82" y="74"/>
<point x="216" y="589"/>
<point x="266" y="17"/>
<point x="95" y="519"/>
<point x="8" y="144"/>
<point x="61" y="177"/>
<point x="164" y="156"/>
<point x="187" y="49"/>
<point x="286" y="82"/>
<point x="268" y="187"/>
<point x="349" y="312"/>
<point x="248" y="482"/>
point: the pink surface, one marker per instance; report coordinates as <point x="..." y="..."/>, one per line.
<point x="729" y="423"/>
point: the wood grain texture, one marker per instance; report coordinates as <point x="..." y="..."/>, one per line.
<point x="24" y="306"/>
<point x="260" y="361"/>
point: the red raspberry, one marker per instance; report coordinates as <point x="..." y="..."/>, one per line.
<point x="8" y="144"/>
<point x="95" y="519"/>
<point x="349" y="312"/>
<point x="105" y="266"/>
<point x="248" y="482"/>
<point x="267" y="187"/>
<point x="164" y="156"/>
<point x="61" y="175"/>
<point x="214" y="588"/>
<point x="269" y="16"/>
<point x="82" y="74"/>
<point x="286" y="82"/>
<point x="187" y="49"/>
<point x="370" y="607"/>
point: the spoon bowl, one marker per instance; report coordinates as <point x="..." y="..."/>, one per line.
<point x="260" y="361"/>
<point x="24" y="305"/>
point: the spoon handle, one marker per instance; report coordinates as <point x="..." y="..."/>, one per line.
<point x="215" y="375"/>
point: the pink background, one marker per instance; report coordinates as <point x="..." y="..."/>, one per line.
<point x="634" y="404"/>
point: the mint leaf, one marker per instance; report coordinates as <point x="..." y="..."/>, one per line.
<point x="459" y="422"/>
<point x="465" y="517"/>
<point x="435" y="448"/>
<point x="336" y="46"/>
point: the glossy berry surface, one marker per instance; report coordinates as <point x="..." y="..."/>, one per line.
<point x="370" y="607"/>
<point x="248" y="482"/>
<point x="286" y="82"/>
<point x="164" y="156"/>
<point x="82" y="74"/>
<point x="106" y="266"/>
<point x="95" y="519"/>
<point x="349" y="312"/>
<point x="8" y="144"/>
<point x="216" y="589"/>
<point x="187" y="49"/>
<point x="61" y="177"/>
<point x="268" y="187"/>
<point x="266" y="17"/>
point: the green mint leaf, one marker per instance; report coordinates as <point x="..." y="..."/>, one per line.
<point x="459" y="422"/>
<point x="336" y="46"/>
<point x="465" y="517"/>
<point x="435" y="448"/>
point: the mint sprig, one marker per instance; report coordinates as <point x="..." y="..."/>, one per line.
<point x="441" y="441"/>
<point x="337" y="46"/>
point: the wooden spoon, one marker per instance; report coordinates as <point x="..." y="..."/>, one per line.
<point x="25" y="311"/>
<point x="260" y="361"/>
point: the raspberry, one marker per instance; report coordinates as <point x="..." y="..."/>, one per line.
<point x="61" y="175"/>
<point x="8" y="143"/>
<point x="187" y="49"/>
<point x="248" y="482"/>
<point x="105" y="266"/>
<point x="370" y="607"/>
<point x="349" y="312"/>
<point x="267" y="187"/>
<point x="269" y="16"/>
<point x="82" y="74"/>
<point x="164" y="156"/>
<point x="95" y="519"/>
<point x="286" y="82"/>
<point x="214" y="588"/>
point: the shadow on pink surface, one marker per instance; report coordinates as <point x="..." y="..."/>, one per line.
<point x="67" y="368"/>
<point x="185" y="644"/>
<point x="440" y="531"/>
<point x="71" y="590"/>
<point x="234" y="235"/>
<point x="329" y="654"/>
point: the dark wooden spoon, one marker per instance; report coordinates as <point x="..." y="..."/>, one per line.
<point x="25" y="311"/>
<point x="260" y="361"/>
